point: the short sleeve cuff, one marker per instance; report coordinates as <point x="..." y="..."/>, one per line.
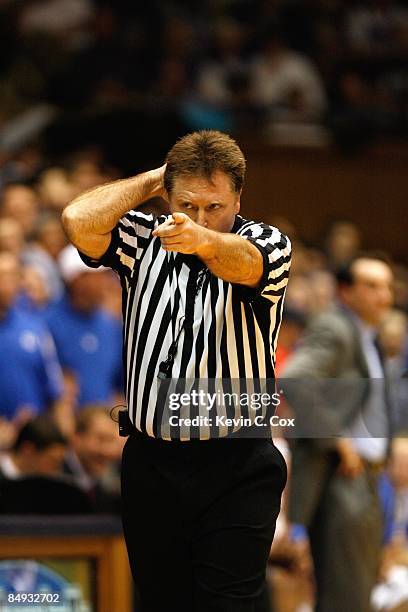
<point x="107" y="258"/>
<point x="265" y="262"/>
<point x="250" y="293"/>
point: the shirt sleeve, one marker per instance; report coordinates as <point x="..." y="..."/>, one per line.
<point x="130" y="239"/>
<point x="275" y="249"/>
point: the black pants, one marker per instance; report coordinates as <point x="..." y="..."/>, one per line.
<point x="199" y="519"/>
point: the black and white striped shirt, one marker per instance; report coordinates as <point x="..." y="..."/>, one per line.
<point x="227" y="331"/>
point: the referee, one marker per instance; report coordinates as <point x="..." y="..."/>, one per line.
<point x="203" y="293"/>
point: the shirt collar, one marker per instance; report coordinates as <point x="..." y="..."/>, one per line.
<point x="367" y="331"/>
<point x="84" y="480"/>
<point x="239" y="221"/>
<point x="9" y="468"/>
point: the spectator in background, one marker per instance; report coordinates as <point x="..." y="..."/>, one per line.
<point x="286" y="80"/>
<point x="212" y="80"/>
<point x="117" y="53"/>
<point x="30" y="375"/>
<point x="88" y="339"/>
<point x="39" y="449"/>
<point x="363" y="109"/>
<point x="398" y="474"/>
<point x="178" y="60"/>
<point x="299" y="294"/>
<point x="377" y="29"/>
<point x="48" y="240"/>
<point x="342" y="243"/>
<point x="11" y="236"/>
<point x="54" y="188"/>
<point x="94" y="457"/>
<point x="20" y="203"/>
<point x="36" y="294"/>
<point x="334" y="479"/>
<point x="312" y="288"/>
<point x="393" y="336"/>
<point x="323" y="286"/>
<point x="33" y="241"/>
<point x="65" y="19"/>
<point x="292" y="326"/>
<point x="31" y="480"/>
<point x="85" y="171"/>
<point x="222" y="90"/>
<point x="401" y="290"/>
<point x="49" y="235"/>
<point x="392" y="591"/>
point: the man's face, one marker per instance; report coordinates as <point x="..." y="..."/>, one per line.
<point x="371" y="294"/>
<point x="211" y="204"/>
<point x="99" y="445"/>
<point x="86" y="290"/>
<point x="21" y="203"/>
<point x="10" y="280"/>
<point x="52" y="237"/>
<point x="46" y="462"/>
<point x="11" y="236"/>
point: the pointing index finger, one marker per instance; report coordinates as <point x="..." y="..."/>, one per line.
<point x="168" y="222"/>
<point x="170" y="230"/>
<point x="179" y="217"/>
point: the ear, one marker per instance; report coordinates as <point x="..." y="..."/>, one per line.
<point x="238" y="203"/>
<point x="165" y="195"/>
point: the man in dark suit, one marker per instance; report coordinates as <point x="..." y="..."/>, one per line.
<point x="30" y="473"/>
<point x="38" y="449"/>
<point x="333" y="489"/>
<point x="92" y="460"/>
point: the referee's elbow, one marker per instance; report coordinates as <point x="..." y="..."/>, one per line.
<point x="70" y="221"/>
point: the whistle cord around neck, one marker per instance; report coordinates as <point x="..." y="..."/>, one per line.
<point x="165" y="367"/>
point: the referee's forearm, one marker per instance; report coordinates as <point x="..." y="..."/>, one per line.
<point x="232" y="258"/>
<point x="97" y="211"/>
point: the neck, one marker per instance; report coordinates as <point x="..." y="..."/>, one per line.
<point x="365" y="323"/>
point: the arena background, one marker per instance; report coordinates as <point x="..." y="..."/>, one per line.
<point x="316" y="94"/>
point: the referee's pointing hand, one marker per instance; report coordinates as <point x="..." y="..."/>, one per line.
<point x="179" y="233"/>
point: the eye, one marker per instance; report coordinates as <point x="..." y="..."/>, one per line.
<point x="187" y="205"/>
<point x="214" y="206"/>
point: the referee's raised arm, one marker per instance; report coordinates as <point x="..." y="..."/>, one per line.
<point x="89" y="219"/>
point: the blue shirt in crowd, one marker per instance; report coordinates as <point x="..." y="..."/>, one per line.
<point x="90" y="346"/>
<point x="30" y="374"/>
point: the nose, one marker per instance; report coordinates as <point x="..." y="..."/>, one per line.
<point x="201" y="218"/>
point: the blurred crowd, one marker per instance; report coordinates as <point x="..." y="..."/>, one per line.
<point x="305" y="71"/>
<point x="130" y="78"/>
<point x="313" y="289"/>
<point x="342" y="535"/>
<point x="61" y="366"/>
